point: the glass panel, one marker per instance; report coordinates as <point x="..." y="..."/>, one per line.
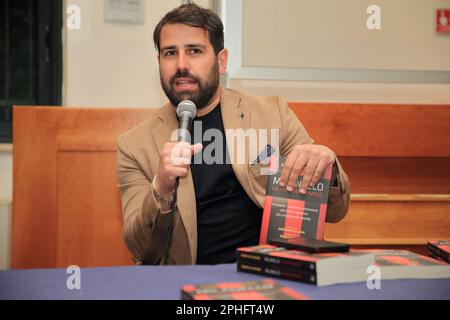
<point x="3" y="49"/>
<point x="22" y="61"/>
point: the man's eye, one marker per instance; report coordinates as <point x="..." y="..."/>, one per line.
<point x="169" y="53"/>
<point x="195" y="51"/>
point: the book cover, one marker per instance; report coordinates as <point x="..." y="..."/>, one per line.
<point x="266" y="289"/>
<point x="308" y="262"/>
<point x="276" y="271"/>
<point x="403" y="264"/>
<point x="292" y="214"/>
<point x="337" y="276"/>
<point x="440" y="249"/>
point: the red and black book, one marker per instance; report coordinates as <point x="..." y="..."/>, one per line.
<point x="403" y="264"/>
<point x="277" y="271"/>
<point x="266" y="289"/>
<point x="440" y="249"/>
<point x="312" y="262"/>
<point x="264" y="254"/>
<point x="319" y="279"/>
<point x="292" y="214"/>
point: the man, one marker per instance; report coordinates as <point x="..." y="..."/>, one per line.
<point x="219" y="204"/>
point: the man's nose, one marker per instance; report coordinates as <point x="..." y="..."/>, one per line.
<point x="183" y="62"/>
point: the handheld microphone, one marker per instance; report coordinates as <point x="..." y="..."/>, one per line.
<point x="186" y="112"/>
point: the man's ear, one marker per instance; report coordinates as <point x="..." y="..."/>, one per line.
<point x="223" y="61"/>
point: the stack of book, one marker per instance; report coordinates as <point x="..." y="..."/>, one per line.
<point x="440" y="249"/>
<point x="320" y="268"/>
<point x="266" y="289"/>
<point x="333" y="268"/>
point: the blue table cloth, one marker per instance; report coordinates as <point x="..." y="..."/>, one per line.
<point x="165" y="282"/>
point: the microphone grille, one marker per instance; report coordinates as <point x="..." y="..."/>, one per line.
<point x="186" y="107"/>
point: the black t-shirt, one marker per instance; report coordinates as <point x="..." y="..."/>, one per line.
<point x="226" y="217"/>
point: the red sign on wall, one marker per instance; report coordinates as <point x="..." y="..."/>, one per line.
<point x="443" y="20"/>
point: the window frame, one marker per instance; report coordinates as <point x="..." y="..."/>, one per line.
<point x="48" y="15"/>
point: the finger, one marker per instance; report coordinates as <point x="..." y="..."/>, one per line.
<point x="321" y="166"/>
<point x="181" y="149"/>
<point x="184" y="173"/>
<point x="176" y="172"/>
<point x="179" y="162"/>
<point x="169" y="146"/>
<point x="196" y="148"/>
<point x="309" y="171"/>
<point x="296" y="172"/>
<point x="287" y="168"/>
<point x="185" y="150"/>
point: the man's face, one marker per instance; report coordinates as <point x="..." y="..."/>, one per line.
<point x="189" y="68"/>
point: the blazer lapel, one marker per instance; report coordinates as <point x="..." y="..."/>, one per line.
<point x="186" y="204"/>
<point x="237" y="116"/>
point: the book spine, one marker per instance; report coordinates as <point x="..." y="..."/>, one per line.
<point x="438" y="253"/>
<point x="444" y="254"/>
<point x="276" y="271"/>
<point x="266" y="219"/>
<point x="186" y="296"/>
<point x="267" y="259"/>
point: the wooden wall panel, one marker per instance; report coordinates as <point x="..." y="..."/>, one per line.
<point x="90" y="223"/>
<point x="34" y="189"/>
<point x="392" y="222"/>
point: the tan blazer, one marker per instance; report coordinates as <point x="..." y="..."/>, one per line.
<point x="145" y="228"/>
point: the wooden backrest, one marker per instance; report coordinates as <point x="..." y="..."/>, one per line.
<point x="66" y="205"/>
<point x="363" y="130"/>
<point x="398" y="149"/>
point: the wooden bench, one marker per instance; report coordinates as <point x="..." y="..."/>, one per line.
<point x="66" y="205"/>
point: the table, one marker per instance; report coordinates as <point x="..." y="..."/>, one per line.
<point x="164" y="283"/>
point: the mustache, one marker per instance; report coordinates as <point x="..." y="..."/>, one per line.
<point x="183" y="74"/>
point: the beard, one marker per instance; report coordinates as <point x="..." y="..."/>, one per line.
<point x="200" y="97"/>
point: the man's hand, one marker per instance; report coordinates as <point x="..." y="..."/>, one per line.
<point x="311" y="158"/>
<point x="174" y="161"/>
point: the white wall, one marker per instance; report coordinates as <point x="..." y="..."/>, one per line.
<point x="5" y="204"/>
<point x="5" y="172"/>
<point x="322" y="51"/>
<point x="5" y="234"/>
<point x="348" y="92"/>
<point x="113" y="64"/>
<point x="334" y="34"/>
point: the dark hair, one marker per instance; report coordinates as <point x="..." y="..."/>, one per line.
<point x="192" y="15"/>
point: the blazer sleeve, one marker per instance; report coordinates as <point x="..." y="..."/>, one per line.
<point x="293" y="133"/>
<point x="144" y="228"/>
